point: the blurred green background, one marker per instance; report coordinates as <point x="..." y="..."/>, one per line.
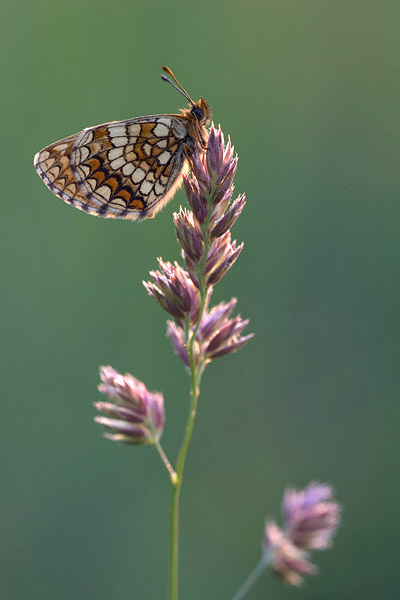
<point x="310" y="93"/>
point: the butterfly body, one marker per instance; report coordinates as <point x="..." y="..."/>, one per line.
<point x="125" y="169"/>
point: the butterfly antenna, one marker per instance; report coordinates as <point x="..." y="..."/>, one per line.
<point x="178" y="86"/>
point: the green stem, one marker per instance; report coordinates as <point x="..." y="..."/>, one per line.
<point x="173" y="591"/>
<point x="194" y="395"/>
<point x="165" y="460"/>
<point x="251" y="579"/>
<point x="195" y="376"/>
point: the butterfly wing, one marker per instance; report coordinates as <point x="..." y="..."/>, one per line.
<point x="124" y="169"/>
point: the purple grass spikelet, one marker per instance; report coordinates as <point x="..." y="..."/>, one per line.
<point x="178" y="340"/>
<point x="311" y="518"/>
<point x="204" y="235"/>
<point x="134" y="415"/>
<point x="222" y="255"/>
<point x="225" y="222"/>
<point x="189" y="235"/>
<point x="285" y="559"/>
<point x="174" y="291"/>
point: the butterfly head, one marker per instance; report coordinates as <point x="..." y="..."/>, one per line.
<point x="202" y="112"/>
<point x="197" y="117"/>
<point x="199" y="111"/>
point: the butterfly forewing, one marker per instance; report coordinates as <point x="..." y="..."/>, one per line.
<point x="124" y="169"/>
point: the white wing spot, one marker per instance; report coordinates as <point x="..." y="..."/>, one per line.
<point x="118" y="202"/>
<point x="164" y="157"/>
<point x="128" y="169"/>
<point x="147" y="149"/>
<point x="118" y="163"/>
<point x="115" y="153"/>
<point x="160" y="130"/>
<point x="119" y="141"/>
<point x="82" y="154"/>
<point x="104" y="191"/>
<point x="134" y="129"/>
<point x="145" y="187"/>
<point x="152" y="198"/>
<point x="158" y="189"/>
<point x="117" y="131"/>
<point x="162" y="144"/>
<point x="138" y="175"/>
<point x="166" y="122"/>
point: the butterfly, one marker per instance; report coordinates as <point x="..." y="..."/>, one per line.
<point x="126" y="169"/>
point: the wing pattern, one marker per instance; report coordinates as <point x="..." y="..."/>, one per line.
<point x="124" y="169"/>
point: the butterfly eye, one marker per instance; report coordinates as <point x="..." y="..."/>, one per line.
<point x="198" y="113"/>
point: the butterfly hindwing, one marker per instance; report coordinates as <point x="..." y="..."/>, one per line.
<point x="124" y="169"/>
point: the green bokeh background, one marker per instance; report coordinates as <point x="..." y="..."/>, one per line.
<point x="310" y="93"/>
